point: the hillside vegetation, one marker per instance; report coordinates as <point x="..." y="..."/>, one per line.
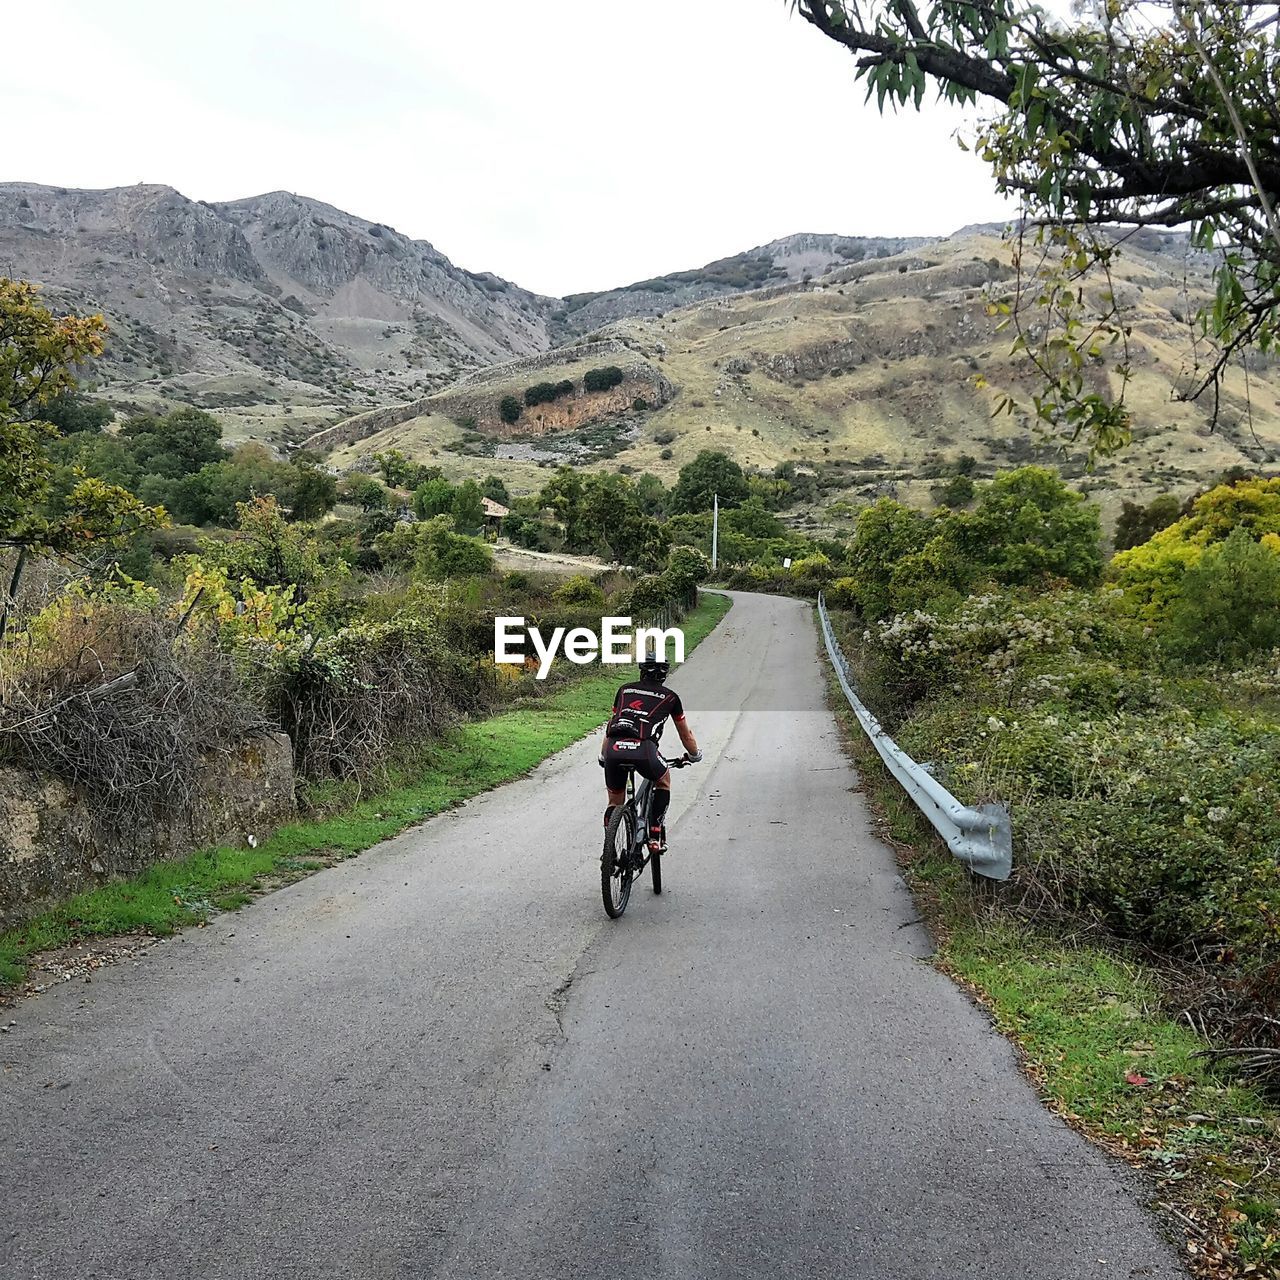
<point x="866" y="378"/>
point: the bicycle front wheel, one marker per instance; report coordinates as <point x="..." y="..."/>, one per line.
<point x="615" y="862"/>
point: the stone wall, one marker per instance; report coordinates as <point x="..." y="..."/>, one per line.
<point x="364" y="425"/>
<point x="478" y="393"/>
<point x="51" y="847"/>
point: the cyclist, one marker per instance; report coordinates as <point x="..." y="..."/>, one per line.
<point x="631" y="742"/>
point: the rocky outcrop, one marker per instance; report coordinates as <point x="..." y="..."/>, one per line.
<point x="51" y="846"/>
<point x="272" y="290"/>
<point x="474" y="401"/>
<point x="478" y="407"/>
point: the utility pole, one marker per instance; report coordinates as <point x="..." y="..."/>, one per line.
<point x="715" y="527"/>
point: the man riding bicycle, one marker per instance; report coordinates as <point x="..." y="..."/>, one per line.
<point x="631" y="742"/>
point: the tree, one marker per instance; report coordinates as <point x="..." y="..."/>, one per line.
<point x="1151" y="573"/>
<point x="885" y="533"/>
<point x="602" y="379"/>
<point x="1151" y="113"/>
<point x="435" y="550"/>
<point x="71" y="413"/>
<point x="509" y="409"/>
<point x="1029" y="526"/>
<point x="1137" y="523"/>
<point x="709" y="474"/>
<point x="751" y="520"/>
<point x="1228" y="603"/>
<point x="563" y="495"/>
<point x="214" y="493"/>
<point x="177" y="444"/>
<point x="611" y="523"/>
<point x="364" y="492"/>
<point x="956" y="492"/>
<point x="468" y="510"/>
<point x="651" y="494"/>
<point x="38" y="357"/>
<point x="495" y="490"/>
<point x="433" y="498"/>
<point x="272" y="552"/>
<point x="311" y="493"/>
<point x="401" y="472"/>
<point x="546" y="392"/>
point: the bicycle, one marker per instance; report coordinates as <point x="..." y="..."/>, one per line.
<point x="626" y="845"/>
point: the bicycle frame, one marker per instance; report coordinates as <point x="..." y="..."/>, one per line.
<point x="638" y="799"/>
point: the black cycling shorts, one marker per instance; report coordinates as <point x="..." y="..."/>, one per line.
<point x="622" y="754"/>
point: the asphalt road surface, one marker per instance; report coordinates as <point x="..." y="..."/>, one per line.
<point x="442" y="1060"/>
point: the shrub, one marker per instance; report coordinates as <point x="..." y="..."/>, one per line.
<point x="1169" y="842"/>
<point x="136" y="750"/>
<point x="956" y="492"/>
<point x="351" y="699"/>
<point x="842" y="593"/>
<point x="687" y="565"/>
<point x="1228" y="603"/>
<point x="812" y="571"/>
<point x="602" y="379"/>
<point x="547" y="392"/>
<point x="509" y="409"/>
<point x="580" y="591"/>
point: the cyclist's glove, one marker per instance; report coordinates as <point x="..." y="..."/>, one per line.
<point x="693" y="756"/>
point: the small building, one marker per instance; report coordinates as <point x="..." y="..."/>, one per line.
<point x="493" y="513"/>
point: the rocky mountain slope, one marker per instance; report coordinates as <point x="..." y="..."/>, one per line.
<point x="272" y="301"/>
<point x="865" y="378"/>
<point x="791" y="259"/>
<point x="283" y="313"/>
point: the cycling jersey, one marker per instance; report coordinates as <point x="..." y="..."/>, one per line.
<point x="640" y="710"/>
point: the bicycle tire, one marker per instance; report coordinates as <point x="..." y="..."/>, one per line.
<point x="615" y="864"/>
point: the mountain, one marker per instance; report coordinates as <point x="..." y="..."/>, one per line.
<point x="282" y="313"/>
<point x="793" y="258"/>
<point x="852" y="357"/>
<point x="863" y="377"/>
<point x="262" y="304"/>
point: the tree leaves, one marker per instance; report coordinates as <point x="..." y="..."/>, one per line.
<point x="1150" y="112"/>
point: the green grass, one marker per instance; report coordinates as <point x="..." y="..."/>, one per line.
<point x="1094" y="1026"/>
<point x="473" y="758"/>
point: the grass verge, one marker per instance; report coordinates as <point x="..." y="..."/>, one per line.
<point x="1094" y="1029"/>
<point x="474" y="757"/>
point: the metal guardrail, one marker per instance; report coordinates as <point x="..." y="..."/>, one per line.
<point x="980" y="837"/>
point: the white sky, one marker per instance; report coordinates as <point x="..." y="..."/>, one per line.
<point x="564" y="144"/>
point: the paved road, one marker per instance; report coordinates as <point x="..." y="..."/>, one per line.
<point x="440" y="1060"/>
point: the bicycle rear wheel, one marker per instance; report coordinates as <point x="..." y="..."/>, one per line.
<point x="615" y="862"/>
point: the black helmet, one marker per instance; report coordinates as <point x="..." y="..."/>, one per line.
<point x="653" y="662"/>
